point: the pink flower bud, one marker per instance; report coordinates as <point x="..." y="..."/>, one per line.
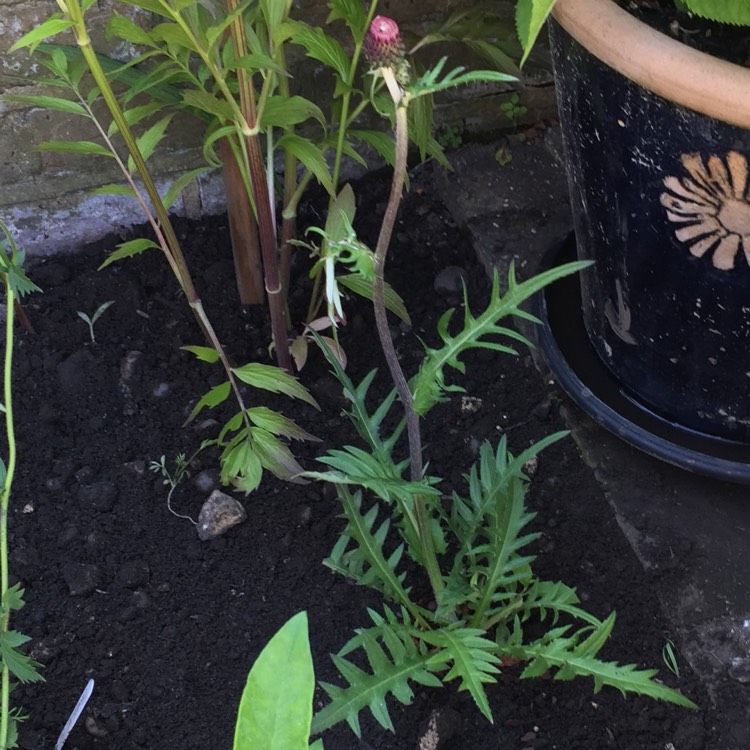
<point x="383" y="46"/>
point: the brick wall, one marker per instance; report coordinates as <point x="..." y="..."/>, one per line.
<point x="44" y="196"/>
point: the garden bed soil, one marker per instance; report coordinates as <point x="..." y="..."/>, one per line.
<point x="168" y="625"/>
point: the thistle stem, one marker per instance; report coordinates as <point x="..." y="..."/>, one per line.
<point x="397" y="374"/>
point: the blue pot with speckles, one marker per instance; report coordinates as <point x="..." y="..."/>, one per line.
<point x="661" y="204"/>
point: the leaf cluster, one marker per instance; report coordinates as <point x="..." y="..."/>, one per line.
<point x="489" y="595"/>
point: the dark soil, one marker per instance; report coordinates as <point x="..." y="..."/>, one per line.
<point x="167" y="625"/>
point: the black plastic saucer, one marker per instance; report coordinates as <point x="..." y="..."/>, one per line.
<point x="582" y="375"/>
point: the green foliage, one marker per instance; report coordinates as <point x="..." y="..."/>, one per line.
<point x="15" y="663"/>
<point x="275" y="711"/>
<point x="90" y="321"/>
<point x="429" y="385"/>
<point x="729" y="11"/>
<point x="487" y="594"/>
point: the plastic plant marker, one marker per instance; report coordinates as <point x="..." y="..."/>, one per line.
<point x="75" y="715"/>
<point x="275" y="710"/>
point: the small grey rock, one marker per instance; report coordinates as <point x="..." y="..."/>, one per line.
<point x="134" y="573"/>
<point x="95" y="728"/>
<point x="207" y="480"/>
<point x="739" y="669"/>
<point x="218" y="514"/>
<point x="450" y="281"/>
<point x="161" y="390"/>
<point x="81" y="579"/>
<point x="99" y="495"/>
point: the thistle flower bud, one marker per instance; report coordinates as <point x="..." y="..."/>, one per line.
<point x="384" y="48"/>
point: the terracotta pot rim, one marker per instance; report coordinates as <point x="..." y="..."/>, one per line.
<point x="685" y="76"/>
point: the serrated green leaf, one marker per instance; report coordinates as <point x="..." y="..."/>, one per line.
<point x="19" y="664"/>
<point x="530" y="18"/>
<point x="381" y="142"/>
<point x="363" y="287"/>
<point x="203" y="353"/>
<point x="353" y="13"/>
<point x="275" y="456"/>
<point x="208" y="103"/>
<point x="175" y="189"/>
<point x="309" y="156"/>
<point x="51" y="27"/>
<point x="114" y="189"/>
<point x="270" y="378"/>
<point x="727" y="11"/>
<point x="217" y="395"/>
<point x="48" y="102"/>
<point x="126" y="29"/>
<point x="281" y="111"/>
<point x="74" y="147"/>
<point x="129" y="249"/>
<point x="322" y="47"/>
<point x="277" y="424"/>
<point x="148" y="141"/>
<point x="275" y="710"/>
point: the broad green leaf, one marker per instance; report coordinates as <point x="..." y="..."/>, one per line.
<point x="13" y="599"/>
<point x="277" y="424"/>
<point x="363" y="287"/>
<point x="320" y="46"/>
<point x="175" y="189"/>
<point x="275" y="456"/>
<point x="19" y="664"/>
<point x="51" y="27"/>
<point x="353" y="13"/>
<point x="48" y="102"/>
<point x="341" y="215"/>
<point x="129" y="249"/>
<point x="114" y="189"/>
<point x="74" y="147"/>
<point x="309" y="156"/>
<point x="280" y="111"/>
<point x="530" y="17"/>
<point x="217" y="395"/>
<point x="275" y="12"/>
<point x="256" y="62"/>
<point x="204" y="353"/>
<point x="727" y="11"/>
<point x="134" y="115"/>
<point x="275" y="710"/>
<point x="149" y="140"/>
<point x="127" y="30"/>
<point x="270" y="378"/>
<point x="173" y="35"/>
<point x="381" y="142"/>
<point x="207" y="103"/>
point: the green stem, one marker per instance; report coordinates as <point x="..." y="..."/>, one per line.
<point x="429" y="556"/>
<point x="4" y="503"/>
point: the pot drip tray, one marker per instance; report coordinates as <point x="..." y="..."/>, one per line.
<point x="582" y="375"/>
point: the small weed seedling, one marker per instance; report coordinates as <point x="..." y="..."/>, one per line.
<point x="181" y="472"/>
<point x="670" y="658"/>
<point x="514" y="110"/>
<point x="91" y="321"/>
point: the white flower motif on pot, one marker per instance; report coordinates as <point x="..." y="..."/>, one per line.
<point x="711" y="205"/>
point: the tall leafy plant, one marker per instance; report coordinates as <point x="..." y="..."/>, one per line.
<point x="15" y="664"/>
<point x="474" y="550"/>
<point x="253" y="439"/>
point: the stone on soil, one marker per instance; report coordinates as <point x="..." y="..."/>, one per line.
<point x="219" y="514"/>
